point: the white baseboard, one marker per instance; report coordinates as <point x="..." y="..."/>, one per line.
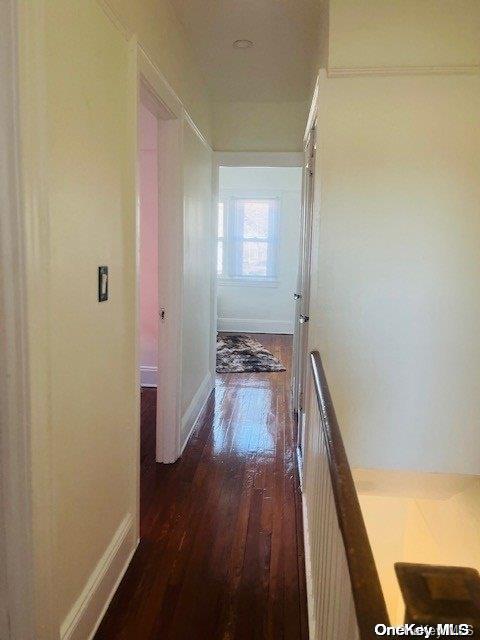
<point x="148" y="376"/>
<point x="245" y="325"/>
<point x="195" y="408"/>
<point x="308" y="571"/>
<point x="86" y="614"/>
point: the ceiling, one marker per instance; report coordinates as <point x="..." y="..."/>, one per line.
<point x="279" y="65"/>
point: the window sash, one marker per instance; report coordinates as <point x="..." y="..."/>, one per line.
<point x="234" y="240"/>
<point x="220" y="257"/>
<point x="221" y="213"/>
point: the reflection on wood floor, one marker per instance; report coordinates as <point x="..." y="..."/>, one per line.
<point x="221" y="555"/>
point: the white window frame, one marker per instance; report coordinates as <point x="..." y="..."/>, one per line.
<point x="223" y="238"/>
<point x="230" y="274"/>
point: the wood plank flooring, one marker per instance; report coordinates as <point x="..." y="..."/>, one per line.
<point x="221" y="551"/>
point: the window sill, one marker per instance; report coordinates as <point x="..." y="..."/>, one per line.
<point x="243" y="282"/>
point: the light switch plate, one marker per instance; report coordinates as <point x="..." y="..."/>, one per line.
<point x="102" y="284"/>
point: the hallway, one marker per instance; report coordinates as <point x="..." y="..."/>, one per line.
<point x="221" y="551"/>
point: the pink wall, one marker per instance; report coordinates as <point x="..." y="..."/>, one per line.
<point x="148" y="160"/>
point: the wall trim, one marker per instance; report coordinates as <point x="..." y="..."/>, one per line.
<point x="258" y="159"/>
<point x="157" y="82"/>
<point x="312" y="113"/>
<point x="34" y="274"/>
<point x="252" y="325"/>
<point x="115" y="18"/>
<point x="148" y="376"/>
<point x="169" y="111"/>
<point x="350" y="72"/>
<point x="195" y="408"/>
<point x="87" y="612"/>
<point x="312" y="623"/>
<point x="16" y="543"/>
<point x="189" y="120"/>
<point x="213" y="265"/>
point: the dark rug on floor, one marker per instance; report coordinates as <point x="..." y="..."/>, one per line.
<point x="236" y="354"/>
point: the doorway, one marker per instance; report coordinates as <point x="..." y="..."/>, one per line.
<point x="259" y="212"/>
<point x="159" y="256"/>
<point x="149" y="239"/>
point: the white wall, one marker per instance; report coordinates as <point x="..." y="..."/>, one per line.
<point x="148" y="167"/>
<point x="79" y="163"/>
<point x="396" y="295"/>
<point x="264" y="308"/>
<point x="197" y="380"/>
<point x="89" y="177"/>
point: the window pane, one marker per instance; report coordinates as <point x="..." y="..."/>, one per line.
<point x="220" y="219"/>
<point x="220" y="257"/>
<point x="255" y="218"/>
<point x="254" y="259"/>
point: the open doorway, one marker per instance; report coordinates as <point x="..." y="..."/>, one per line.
<point x="148" y="281"/>
<point x="258" y="235"/>
<point x="159" y="261"/>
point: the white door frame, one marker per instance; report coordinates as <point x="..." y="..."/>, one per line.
<point x="155" y="92"/>
<point x="16" y="562"/>
<point x="302" y="303"/>
<point x="240" y="159"/>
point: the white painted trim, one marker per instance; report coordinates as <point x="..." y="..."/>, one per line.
<point x="213" y="266"/>
<point x="246" y="282"/>
<point x="302" y="304"/>
<point x="36" y="264"/>
<point x="245" y="325"/>
<point x="195" y="408"/>
<point x="87" y="612"/>
<point x="132" y="141"/>
<point x="157" y="83"/>
<point x="189" y="120"/>
<point x="258" y="159"/>
<point x="115" y="18"/>
<point x="351" y="72"/>
<point x="312" y="114"/>
<point x="312" y="623"/>
<point x="16" y="557"/>
<point x="148" y="376"/>
<point x="169" y="111"/>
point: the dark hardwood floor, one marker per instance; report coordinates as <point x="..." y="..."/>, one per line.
<point x="221" y="551"/>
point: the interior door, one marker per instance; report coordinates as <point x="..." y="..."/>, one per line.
<point x="302" y="293"/>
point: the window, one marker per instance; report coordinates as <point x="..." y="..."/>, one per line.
<point x="247" y="239"/>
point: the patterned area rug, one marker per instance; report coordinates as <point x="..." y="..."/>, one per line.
<point x="237" y="354"/>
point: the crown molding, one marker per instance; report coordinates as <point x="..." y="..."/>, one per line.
<point x="351" y="72"/>
<point x="189" y="120"/>
<point x="115" y="18"/>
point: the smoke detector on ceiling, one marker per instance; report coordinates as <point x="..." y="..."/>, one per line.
<point x="242" y="44"/>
